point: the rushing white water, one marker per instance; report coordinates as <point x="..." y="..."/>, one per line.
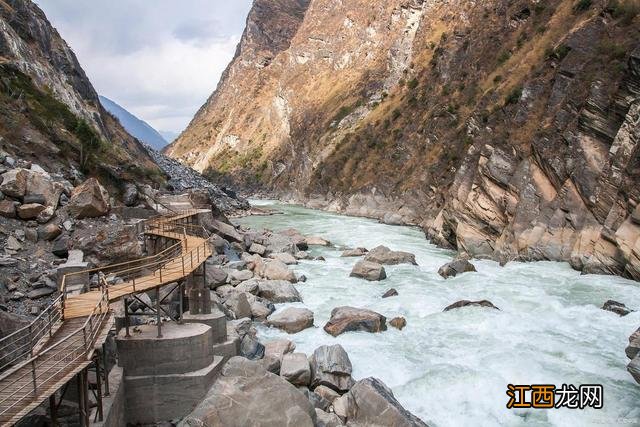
<point x="452" y="369"/>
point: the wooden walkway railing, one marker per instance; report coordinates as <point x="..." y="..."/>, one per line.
<point x="40" y="358"/>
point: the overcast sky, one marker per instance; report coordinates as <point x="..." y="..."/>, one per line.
<point x="159" y="59"/>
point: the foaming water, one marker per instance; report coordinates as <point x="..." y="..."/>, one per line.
<point x="452" y="368"/>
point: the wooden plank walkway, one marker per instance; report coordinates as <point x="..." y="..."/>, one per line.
<point x="87" y="320"/>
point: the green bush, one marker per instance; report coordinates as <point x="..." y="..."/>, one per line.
<point x="625" y="10"/>
<point x="582" y="5"/>
<point x="413" y="83"/>
<point x="514" y="96"/>
<point x="504" y="56"/>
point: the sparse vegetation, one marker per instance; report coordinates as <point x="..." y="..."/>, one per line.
<point x="504" y="56"/>
<point x="514" y="96"/>
<point x="413" y="83"/>
<point x="625" y="10"/>
<point x="582" y="5"/>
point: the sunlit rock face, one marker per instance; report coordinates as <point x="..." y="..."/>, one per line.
<point x="505" y="129"/>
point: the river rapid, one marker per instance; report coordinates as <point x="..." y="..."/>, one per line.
<point x="453" y="368"/>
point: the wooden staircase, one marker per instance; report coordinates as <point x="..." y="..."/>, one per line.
<point x="37" y="360"/>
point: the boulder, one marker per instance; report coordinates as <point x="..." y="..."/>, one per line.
<point x="248" y="286"/>
<point x="634" y="368"/>
<point x="384" y="255"/>
<point x="467" y="303"/>
<point x="279" y="243"/>
<point x="455" y="267"/>
<point x="354" y="252"/>
<point x="296" y="237"/>
<point x="316" y="400"/>
<point x="40" y="292"/>
<point x="14" y="183"/>
<point x="390" y="293"/>
<point x="398" y="322"/>
<point x="285" y="258"/>
<point x="258" y="249"/>
<point x="616" y="307"/>
<point x="278" y="348"/>
<point x="247" y="395"/>
<point x="346" y="319"/>
<point x="30" y="211"/>
<point x="327" y="393"/>
<point x="331" y="367"/>
<point x="237" y="276"/>
<point x="369" y="271"/>
<point x="130" y="195"/>
<point x="633" y="348"/>
<point x="294" y="368"/>
<point x="251" y="348"/>
<point x="278" y="291"/>
<point x="291" y="319"/>
<point x="49" y="232"/>
<point x="89" y="200"/>
<point x="215" y="277"/>
<point x="260" y="308"/>
<point x="7" y="209"/>
<point x="238" y="303"/>
<point x="325" y="419"/>
<point x="276" y="270"/>
<point x="13" y="244"/>
<point x="371" y="402"/>
<point x="225" y="230"/>
<point x="317" y="241"/>
<point x="45" y="215"/>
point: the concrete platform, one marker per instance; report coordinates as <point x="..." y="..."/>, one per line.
<point x="182" y="348"/>
<point x="217" y="321"/>
<point x="157" y="398"/>
<point x="227" y="349"/>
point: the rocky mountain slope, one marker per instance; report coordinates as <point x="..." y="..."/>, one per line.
<point x="506" y="129"/>
<point x="51" y="114"/>
<point x="132" y="124"/>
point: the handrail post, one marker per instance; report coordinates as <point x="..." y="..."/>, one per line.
<point x="33" y="375"/>
<point x="84" y="336"/>
<point x="161" y="274"/>
<point x="30" y="340"/>
<point x="50" y="324"/>
<point x="183" y="272"/>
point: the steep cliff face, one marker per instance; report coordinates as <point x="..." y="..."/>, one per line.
<point x="50" y="110"/>
<point x="507" y="129"/>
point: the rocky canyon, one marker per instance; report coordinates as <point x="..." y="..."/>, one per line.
<point x="505" y="129"/>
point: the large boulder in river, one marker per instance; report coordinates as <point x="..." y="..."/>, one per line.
<point x="369" y="271"/>
<point x="275" y="270"/>
<point x="247" y="395"/>
<point x="455" y="267"/>
<point x="89" y="200"/>
<point x="331" y="367"/>
<point x="354" y="252"/>
<point x="296" y="237"/>
<point x="371" y="403"/>
<point x="616" y="307"/>
<point x="346" y="319"/>
<point x="633" y="348"/>
<point x="317" y="241"/>
<point x="467" y="303"/>
<point x="634" y="368"/>
<point x="278" y="291"/>
<point x="291" y="319"/>
<point x="384" y="255"/>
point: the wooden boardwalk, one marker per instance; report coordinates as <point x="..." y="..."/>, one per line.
<point x="65" y="345"/>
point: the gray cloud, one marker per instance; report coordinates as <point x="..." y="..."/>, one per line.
<point x="160" y="59"/>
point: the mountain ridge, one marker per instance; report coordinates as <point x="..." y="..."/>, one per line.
<point x="134" y="125"/>
<point x="505" y="129"/>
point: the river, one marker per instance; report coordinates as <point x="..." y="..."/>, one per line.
<point x="453" y="368"/>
